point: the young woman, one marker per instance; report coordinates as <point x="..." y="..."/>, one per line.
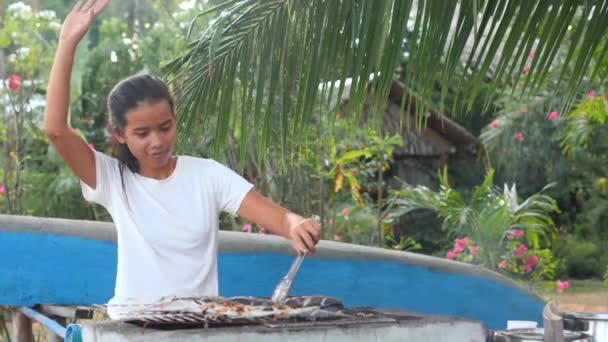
<point x="165" y="207"/>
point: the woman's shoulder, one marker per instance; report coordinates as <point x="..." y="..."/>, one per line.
<point x="105" y="159"/>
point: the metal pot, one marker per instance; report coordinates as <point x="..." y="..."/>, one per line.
<point x="537" y="334"/>
<point x="595" y="325"/>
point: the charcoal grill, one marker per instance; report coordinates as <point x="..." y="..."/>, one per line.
<point x="314" y="311"/>
<point x="342" y="324"/>
<point x="189" y="320"/>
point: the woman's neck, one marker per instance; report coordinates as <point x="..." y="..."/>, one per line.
<point x="159" y="172"/>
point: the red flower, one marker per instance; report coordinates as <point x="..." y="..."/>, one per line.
<point x="562" y="285"/>
<point x="591" y="94"/>
<point x="552" y="116"/>
<point x="519" y="251"/>
<point x="344" y="213"/>
<point x="519" y="137"/>
<point x="14" y="83"/>
<point x="474" y="249"/>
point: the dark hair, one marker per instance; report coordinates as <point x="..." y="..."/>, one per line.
<point x="127" y="95"/>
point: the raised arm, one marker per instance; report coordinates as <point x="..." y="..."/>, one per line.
<point x="70" y="146"/>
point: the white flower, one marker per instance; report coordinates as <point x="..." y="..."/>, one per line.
<point x="46" y="14"/>
<point x="23" y="51"/>
<point x="55" y="26"/>
<point x="20" y="10"/>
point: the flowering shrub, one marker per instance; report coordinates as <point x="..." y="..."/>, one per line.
<point x="522" y="261"/>
<point x="464" y="250"/>
<point x="517" y="261"/>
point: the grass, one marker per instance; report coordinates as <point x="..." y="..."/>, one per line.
<point x="581" y="296"/>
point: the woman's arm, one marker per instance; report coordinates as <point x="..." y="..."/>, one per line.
<point x="70" y="146"/>
<point x="303" y="233"/>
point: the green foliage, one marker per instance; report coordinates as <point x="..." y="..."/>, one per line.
<point x="581" y="257"/>
<point x="26" y="38"/>
<point x="585" y="124"/>
<point x="487" y="217"/>
<point x="353" y="161"/>
<point x="277" y="50"/>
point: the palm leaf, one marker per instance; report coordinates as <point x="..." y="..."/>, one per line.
<point x="277" y="53"/>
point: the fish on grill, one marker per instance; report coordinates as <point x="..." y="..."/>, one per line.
<point x="220" y="309"/>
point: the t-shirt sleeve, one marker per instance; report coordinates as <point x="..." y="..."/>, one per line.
<point x="107" y="176"/>
<point x="231" y="188"/>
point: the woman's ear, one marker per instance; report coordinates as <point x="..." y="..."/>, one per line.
<point x="119" y="136"/>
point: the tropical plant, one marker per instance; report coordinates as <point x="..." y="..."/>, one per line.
<point x="487" y="218"/>
<point x="25" y="54"/>
<point x="282" y="56"/>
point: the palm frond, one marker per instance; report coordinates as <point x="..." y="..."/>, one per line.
<point x="284" y="60"/>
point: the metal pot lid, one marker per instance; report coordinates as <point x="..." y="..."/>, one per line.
<point x="587" y="316"/>
<point x="538" y="334"/>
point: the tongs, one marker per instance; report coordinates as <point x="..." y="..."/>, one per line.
<point x="280" y="293"/>
<point x="282" y="290"/>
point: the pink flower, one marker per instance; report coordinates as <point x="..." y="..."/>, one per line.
<point x="474" y="249"/>
<point x="519" y="251"/>
<point x="451" y="255"/>
<point x="464" y="242"/>
<point x="525" y="69"/>
<point x="519" y="137"/>
<point x="2" y="190"/>
<point x="527" y="268"/>
<point x="344" y="213"/>
<point x="494" y="124"/>
<point x="262" y="231"/>
<point x="458" y="249"/>
<point x="531" y="260"/>
<point x="14" y="83"/>
<point x="562" y="285"/>
<point x="552" y="116"/>
<point x="515" y="234"/>
<point x="502" y="265"/>
<point x="531" y="54"/>
<point x="591" y="94"/>
<point x="247" y="228"/>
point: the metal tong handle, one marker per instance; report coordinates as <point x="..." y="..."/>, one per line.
<point x="279" y="294"/>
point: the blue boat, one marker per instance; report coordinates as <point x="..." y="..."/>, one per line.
<point x="72" y="262"/>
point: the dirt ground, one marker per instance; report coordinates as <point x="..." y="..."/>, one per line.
<point x="584" y="302"/>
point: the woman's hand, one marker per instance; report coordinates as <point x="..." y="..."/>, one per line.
<point x="304" y="234"/>
<point x="78" y="21"/>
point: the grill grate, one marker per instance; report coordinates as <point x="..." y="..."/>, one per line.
<point x="190" y="320"/>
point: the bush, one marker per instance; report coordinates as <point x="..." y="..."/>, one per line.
<point x="581" y="258"/>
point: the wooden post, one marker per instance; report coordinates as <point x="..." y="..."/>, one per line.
<point x="52" y="336"/>
<point x="22" y="327"/>
<point x="554" y="324"/>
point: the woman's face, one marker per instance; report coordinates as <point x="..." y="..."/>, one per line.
<point x="150" y="134"/>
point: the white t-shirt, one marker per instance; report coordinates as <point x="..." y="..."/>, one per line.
<point x="167" y="229"/>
